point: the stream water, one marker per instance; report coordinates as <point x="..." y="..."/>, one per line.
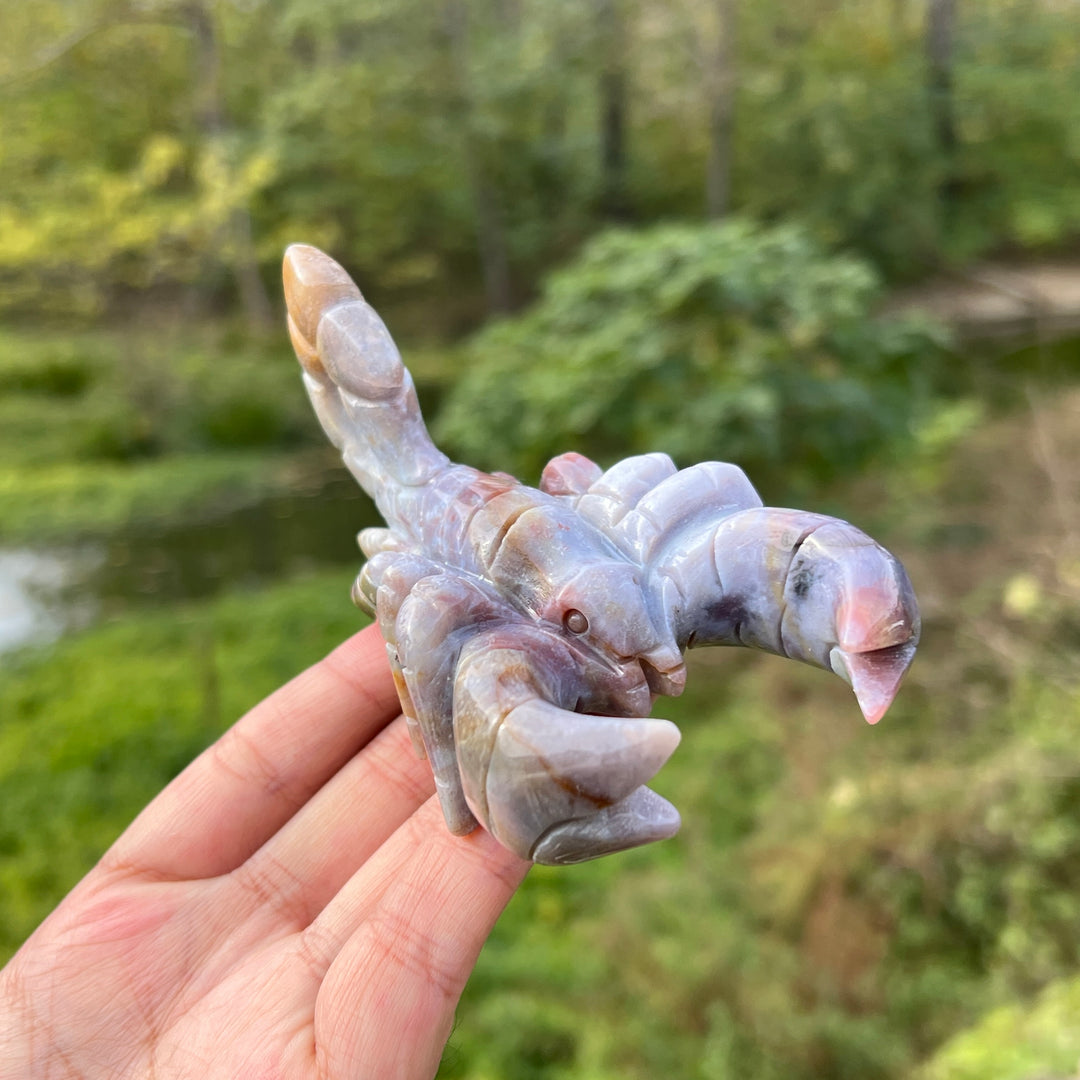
<point x="44" y="593"/>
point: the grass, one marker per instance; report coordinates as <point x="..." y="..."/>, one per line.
<point x="91" y="730"/>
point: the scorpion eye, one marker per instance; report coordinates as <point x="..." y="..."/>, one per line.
<point x="575" y="622"/>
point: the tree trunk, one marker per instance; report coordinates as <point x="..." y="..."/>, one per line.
<point x="210" y="114"/>
<point x="940" y="35"/>
<point x="721" y="80"/>
<point x="898" y="19"/>
<point x="939" y="42"/>
<point x="490" y="232"/>
<point x="614" y="190"/>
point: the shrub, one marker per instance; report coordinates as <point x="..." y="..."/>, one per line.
<point x="730" y="341"/>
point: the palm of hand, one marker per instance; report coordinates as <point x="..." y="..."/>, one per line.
<point x="290" y="905"/>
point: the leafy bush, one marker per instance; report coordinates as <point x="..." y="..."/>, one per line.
<point x="99" y="427"/>
<point x="123" y="434"/>
<point x="730" y="341"/>
<point x="57" y="377"/>
<point x="1017" y="1043"/>
<point x="243" y="422"/>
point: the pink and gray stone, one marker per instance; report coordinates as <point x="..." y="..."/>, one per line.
<point x="530" y="630"/>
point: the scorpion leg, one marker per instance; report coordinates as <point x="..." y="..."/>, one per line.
<point x="437" y="617"/>
<point x="569" y="474"/>
<point x="553" y="785"/>
<point x="380" y="589"/>
<point x="611" y="496"/>
<point x="642" y="509"/>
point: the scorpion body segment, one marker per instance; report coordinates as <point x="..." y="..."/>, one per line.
<point x="529" y="630"/>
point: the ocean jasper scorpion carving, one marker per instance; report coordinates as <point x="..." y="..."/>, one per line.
<point x="530" y="630"/>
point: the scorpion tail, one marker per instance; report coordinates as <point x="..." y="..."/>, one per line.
<point x="362" y="393"/>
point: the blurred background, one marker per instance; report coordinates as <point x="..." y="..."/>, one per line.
<point x="834" y="242"/>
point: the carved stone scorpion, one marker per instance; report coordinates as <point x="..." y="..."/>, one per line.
<point x="529" y="631"/>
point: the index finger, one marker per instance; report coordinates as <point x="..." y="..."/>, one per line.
<point x="243" y="788"/>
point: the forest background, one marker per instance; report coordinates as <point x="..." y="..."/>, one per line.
<point x="615" y="226"/>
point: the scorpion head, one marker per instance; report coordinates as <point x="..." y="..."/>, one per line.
<point x="602" y="604"/>
<point x="560" y="573"/>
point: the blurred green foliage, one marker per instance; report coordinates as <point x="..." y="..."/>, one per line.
<point x="91" y="732"/>
<point x="101" y="428"/>
<point x="429" y="145"/>
<point x="724" y="341"/>
<point x="839" y="901"/>
<point x="137" y="395"/>
<point x="65" y="501"/>
<point x="1017" y="1042"/>
<point x="838" y="904"/>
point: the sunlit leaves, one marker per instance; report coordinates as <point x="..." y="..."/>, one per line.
<point x="355" y="125"/>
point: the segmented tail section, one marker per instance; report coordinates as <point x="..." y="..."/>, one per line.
<point x="362" y="393"/>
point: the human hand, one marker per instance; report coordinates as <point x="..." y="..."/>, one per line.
<point x="290" y="905"/>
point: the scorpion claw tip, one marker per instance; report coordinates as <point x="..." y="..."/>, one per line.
<point x="640" y="818"/>
<point x="553" y="769"/>
<point x="601" y="758"/>
<point x="874" y="676"/>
